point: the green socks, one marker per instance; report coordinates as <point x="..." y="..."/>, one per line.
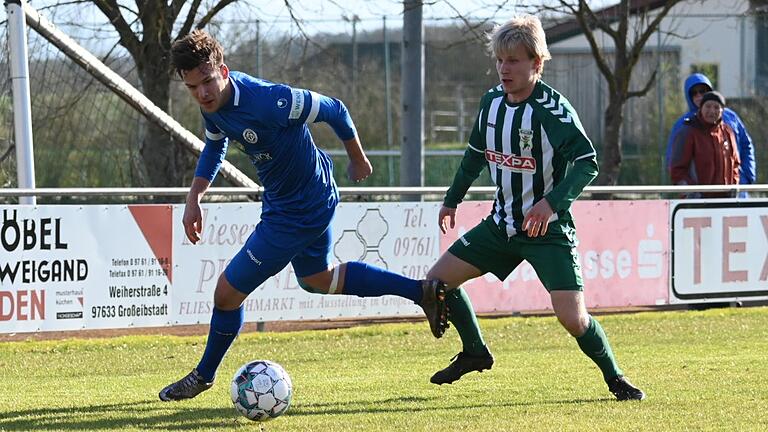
<point x="463" y="318"/>
<point x="595" y="345"/>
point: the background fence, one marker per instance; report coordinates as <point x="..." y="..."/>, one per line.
<point x="86" y="136"/>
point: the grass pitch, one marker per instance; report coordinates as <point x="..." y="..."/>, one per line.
<point x="702" y="371"/>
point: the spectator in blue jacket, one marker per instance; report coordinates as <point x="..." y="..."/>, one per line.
<point x="695" y="86"/>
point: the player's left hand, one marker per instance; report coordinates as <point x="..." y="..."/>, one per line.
<point x="359" y="170"/>
<point x="537" y="219"/>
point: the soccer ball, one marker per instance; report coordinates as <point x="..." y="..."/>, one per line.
<point x="261" y="390"/>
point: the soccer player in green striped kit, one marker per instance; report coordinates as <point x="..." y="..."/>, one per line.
<point x="540" y="159"/>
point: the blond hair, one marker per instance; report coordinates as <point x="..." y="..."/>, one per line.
<point x="525" y="30"/>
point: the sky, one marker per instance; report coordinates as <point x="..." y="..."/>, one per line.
<point x="316" y="16"/>
<point x="88" y="25"/>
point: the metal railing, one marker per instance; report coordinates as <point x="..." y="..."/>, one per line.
<point x="352" y="191"/>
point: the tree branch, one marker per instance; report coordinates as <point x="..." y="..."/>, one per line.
<point x="295" y="19"/>
<point x="645" y="89"/>
<point x="189" y="20"/>
<point x="597" y="53"/>
<point x="637" y="47"/>
<point x="471" y="27"/>
<point x="212" y="12"/>
<point x="128" y="38"/>
<point x="7" y="153"/>
<point x="598" y="22"/>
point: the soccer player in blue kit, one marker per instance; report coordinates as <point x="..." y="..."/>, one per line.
<point x="300" y="197"/>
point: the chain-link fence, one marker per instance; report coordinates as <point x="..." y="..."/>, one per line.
<point x="86" y="136"/>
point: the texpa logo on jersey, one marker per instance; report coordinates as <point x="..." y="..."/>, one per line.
<point x="512" y="162"/>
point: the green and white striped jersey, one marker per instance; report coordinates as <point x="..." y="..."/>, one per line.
<point x="533" y="149"/>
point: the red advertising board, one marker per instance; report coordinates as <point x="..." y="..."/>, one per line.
<point x="624" y="249"/>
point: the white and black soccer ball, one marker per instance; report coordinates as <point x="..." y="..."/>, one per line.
<point x="261" y="390"/>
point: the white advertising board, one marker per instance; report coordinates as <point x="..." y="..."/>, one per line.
<point x="719" y="251"/>
<point x="72" y="267"/>
<point x="400" y="237"/>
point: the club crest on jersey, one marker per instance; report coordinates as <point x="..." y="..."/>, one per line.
<point x="250" y="136"/>
<point x="514" y="163"/>
<point x="526" y="139"/>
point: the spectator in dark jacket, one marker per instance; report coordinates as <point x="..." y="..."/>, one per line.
<point x="705" y="150"/>
<point x="695" y="86"/>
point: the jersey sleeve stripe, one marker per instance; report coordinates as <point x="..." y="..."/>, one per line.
<point x="475" y="149"/>
<point x="585" y="156"/>
<point x="237" y="92"/>
<point x="213" y="136"/>
<point x="315" y="107"/>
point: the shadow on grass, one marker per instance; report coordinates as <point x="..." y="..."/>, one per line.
<point x="152" y="414"/>
<point x="146" y="415"/>
<point x="415" y="404"/>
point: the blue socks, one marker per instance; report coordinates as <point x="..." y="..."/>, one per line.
<point x="360" y="279"/>
<point x="363" y="280"/>
<point x="225" y="326"/>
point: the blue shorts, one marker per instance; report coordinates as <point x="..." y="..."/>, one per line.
<point x="271" y="247"/>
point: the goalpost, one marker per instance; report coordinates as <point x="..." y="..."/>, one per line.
<point x="22" y="107"/>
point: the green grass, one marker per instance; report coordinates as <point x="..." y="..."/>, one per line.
<point x="701" y="370"/>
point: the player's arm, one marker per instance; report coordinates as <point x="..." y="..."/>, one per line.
<point x="333" y="112"/>
<point x="583" y="170"/>
<point x="311" y="107"/>
<point x="469" y="169"/>
<point x="359" y="166"/>
<point x="471" y="165"/>
<point x="207" y="167"/>
<point x="579" y="176"/>
<point x="575" y="147"/>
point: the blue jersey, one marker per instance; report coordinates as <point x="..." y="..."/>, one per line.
<point x="268" y="122"/>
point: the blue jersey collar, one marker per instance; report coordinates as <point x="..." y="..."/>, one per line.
<point x="234" y="99"/>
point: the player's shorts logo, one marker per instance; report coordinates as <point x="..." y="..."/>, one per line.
<point x="250" y="136"/>
<point x="514" y="163"/>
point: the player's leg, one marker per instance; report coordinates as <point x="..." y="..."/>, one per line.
<point x="482" y="250"/>
<point x="475" y="355"/>
<point x="257" y="261"/>
<point x="316" y="274"/>
<point x="557" y="265"/>
<point x="226" y="322"/>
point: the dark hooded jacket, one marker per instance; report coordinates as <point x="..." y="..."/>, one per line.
<point x="746" y="150"/>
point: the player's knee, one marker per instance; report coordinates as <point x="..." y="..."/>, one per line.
<point x="575" y="325"/>
<point x="307" y="287"/>
<point x="325" y="282"/>
<point x="226" y="297"/>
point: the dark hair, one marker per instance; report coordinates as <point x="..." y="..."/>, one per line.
<point x="194" y="49"/>
<point x="713" y="96"/>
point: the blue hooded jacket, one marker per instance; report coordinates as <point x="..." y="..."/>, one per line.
<point x="748" y="171"/>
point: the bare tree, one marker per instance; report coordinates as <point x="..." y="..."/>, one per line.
<point x="146" y="32"/>
<point x="630" y="24"/>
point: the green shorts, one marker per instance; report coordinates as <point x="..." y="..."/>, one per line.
<point x="553" y="257"/>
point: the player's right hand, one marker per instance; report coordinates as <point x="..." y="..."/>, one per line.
<point x="359" y="169"/>
<point x="446" y="212"/>
<point x="193" y="221"/>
